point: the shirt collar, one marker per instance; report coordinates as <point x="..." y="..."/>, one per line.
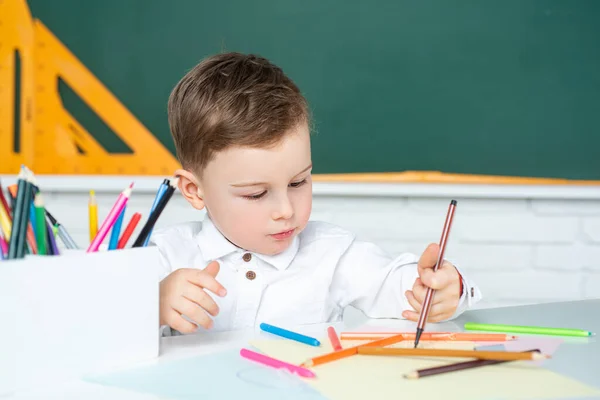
<point x="214" y="245"/>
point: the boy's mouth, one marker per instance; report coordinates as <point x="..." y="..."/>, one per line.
<point x="283" y="235"/>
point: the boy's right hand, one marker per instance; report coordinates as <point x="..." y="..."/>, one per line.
<point x="183" y="292"/>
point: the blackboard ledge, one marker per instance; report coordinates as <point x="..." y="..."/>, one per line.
<point x="325" y="185"/>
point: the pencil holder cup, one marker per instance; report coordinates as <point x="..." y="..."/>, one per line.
<point x="62" y="317"/>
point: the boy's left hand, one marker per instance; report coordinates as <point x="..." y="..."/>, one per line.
<point x="445" y="281"/>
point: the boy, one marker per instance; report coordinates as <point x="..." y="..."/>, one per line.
<point x="241" y="130"/>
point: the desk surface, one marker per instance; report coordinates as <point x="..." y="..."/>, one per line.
<point x="578" y="358"/>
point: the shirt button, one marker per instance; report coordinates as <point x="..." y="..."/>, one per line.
<point x="247" y="257"/>
<point x="251" y="275"/>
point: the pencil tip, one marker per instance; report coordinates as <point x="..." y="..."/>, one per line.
<point x="131" y="185"/>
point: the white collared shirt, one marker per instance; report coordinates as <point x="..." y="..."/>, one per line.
<point x="324" y="270"/>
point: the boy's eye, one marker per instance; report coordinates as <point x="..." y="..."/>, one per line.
<point x="298" y="184"/>
<point x="255" y="196"/>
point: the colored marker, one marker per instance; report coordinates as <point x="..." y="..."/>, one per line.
<point x="535" y="330"/>
<point x="159" y="194"/>
<point x="116" y="231"/>
<point x="333" y="338"/>
<point x="272" y="362"/>
<point x="110" y="219"/>
<point x="284" y="333"/>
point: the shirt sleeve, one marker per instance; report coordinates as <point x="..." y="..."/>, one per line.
<point x="372" y="281"/>
<point x="165" y="265"/>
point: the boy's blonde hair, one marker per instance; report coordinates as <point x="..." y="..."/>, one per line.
<point x="232" y="99"/>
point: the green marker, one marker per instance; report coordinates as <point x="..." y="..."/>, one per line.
<point x="534" y="330"/>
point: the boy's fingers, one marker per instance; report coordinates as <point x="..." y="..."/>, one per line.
<point x="193" y="312"/>
<point x="212" y="268"/>
<point x="439" y="279"/>
<point x="205" y="280"/>
<point x="438" y="312"/>
<point x="177" y="322"/>
<point x="411" y="315"/>
<point x="413" y="302"/>
<point x="419" y="290"/>
<point x="429" y="257"/>
<point x="200" y="297"/>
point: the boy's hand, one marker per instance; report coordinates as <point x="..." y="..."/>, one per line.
<point x="183" y="292"/>
<point x="445" y="281"/>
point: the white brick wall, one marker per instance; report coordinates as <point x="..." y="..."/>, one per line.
<point x="519" y="250"/>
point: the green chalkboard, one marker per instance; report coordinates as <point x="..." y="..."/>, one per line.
<point x="500" y="87"/>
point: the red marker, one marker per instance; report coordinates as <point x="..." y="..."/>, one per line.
<point x="333" y="338"/>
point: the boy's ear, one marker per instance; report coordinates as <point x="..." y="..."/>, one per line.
<point x="190" y="188"/>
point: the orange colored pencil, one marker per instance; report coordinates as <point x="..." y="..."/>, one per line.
<point x="135" y="218"/>
<point x="333" y="338"/>
<point x="482" y="355"/>
<point x="450" y="336"/>
<point x="350" y="351"/>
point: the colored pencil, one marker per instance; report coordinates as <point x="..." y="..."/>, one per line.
<point x="284" y="333"/>
<point x="30" y="245"/>
<point x="40" y="232"/>
<point x="16" y="247"/>
<point x="32" y="218"/>
<point x="483" y="355"/>
<point x="430" y="292"/>
<point x="535" y="330"/>
<point x="116" y="230"/>
<point x="161" y="191"/>
<point x="350" y="351"/>
<point x="62" y="232"/>
<point x="438" y="336"/>
<point x="5" y="221"/>
<point x="333" y="338"/>
<point x="272" y="362"/>
<point x="31" y="239"/>
<point x="422" y="373"/>
<point x="4" y="202"/>
<point x="52" y="247"/>
<point x="129" y="230"/>
<point x="149" y="225"/>
<point x="12" y="194"/>
<point x="93" y="215"/>
<point x="110" y="219"/>
<point x="3" y="246"/>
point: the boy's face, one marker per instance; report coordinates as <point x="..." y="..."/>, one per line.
<point x="260" y="199"/>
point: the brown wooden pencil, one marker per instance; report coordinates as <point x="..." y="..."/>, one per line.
<point x="421" y="373"/>
<point x="482" y="355"/>
<point x="350" y="351"/>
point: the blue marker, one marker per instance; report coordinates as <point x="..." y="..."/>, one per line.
<point x="161" y="190"/>
<point x="289" y="335"/>
<point x="116" y="231"/>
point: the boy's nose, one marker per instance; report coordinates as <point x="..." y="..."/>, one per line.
<point x="284" y="209"/>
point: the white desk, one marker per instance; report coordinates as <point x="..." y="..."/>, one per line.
<point x="577" y="358"/>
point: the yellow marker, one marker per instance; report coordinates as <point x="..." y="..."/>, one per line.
<point x="4" y="222"/>
<point x="93" y="215"/>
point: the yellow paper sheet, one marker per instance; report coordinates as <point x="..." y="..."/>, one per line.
<point x="381" y="377"/>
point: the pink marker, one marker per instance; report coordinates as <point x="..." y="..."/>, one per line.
<point x="271" y="362"/>
<point x="109" y="221"/>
